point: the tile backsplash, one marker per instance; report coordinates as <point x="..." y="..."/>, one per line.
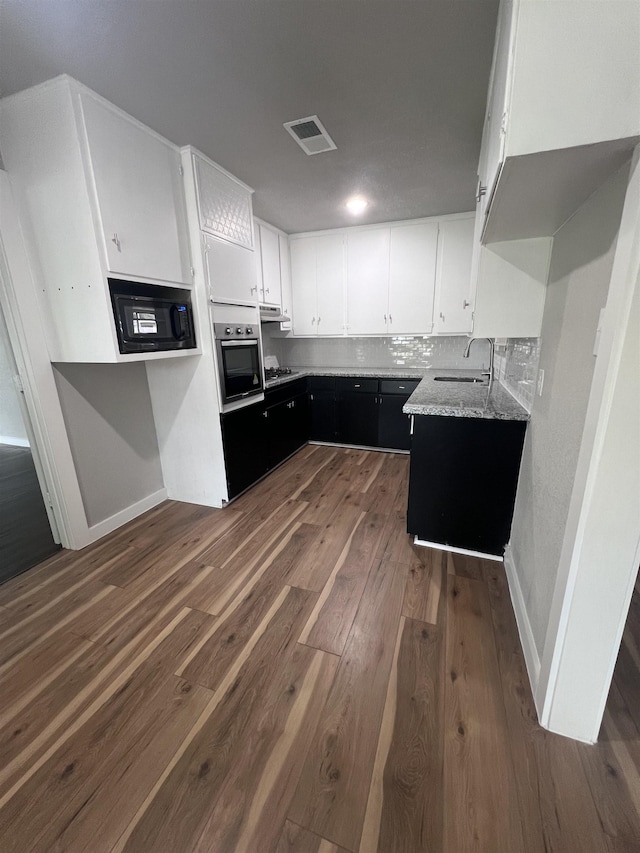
<point x="416" y="351"/>
<point x="516" y="365"/>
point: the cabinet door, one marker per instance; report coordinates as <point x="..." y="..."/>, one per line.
<point x="231" y="270"/>
<point x="454" y="312"/>
<point x="270" y="256"/>
<point x="288" y="428"/>
<point x="303" y="284"/>
<point x="324" y="426"/>
<point x="245" y="455"/>
<point x="285" y="280"/>
<point x="330" y="284"/>
<point x="358" y="418"/>
<point x="393" y="425"/>
<point x="493" y="138"/>
<point x="367" y="281"/>
<point x="139" y="196"/>
<point x="412" y="278"/>
<point x="224" y="204"/>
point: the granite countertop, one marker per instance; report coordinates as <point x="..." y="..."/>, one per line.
<point x="463" y="399"/>
<point x="375" y="372"/>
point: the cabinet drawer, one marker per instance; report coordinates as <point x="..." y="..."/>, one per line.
<point x="358" y="386"/>
<point x="398" y="386"/>
<point x="321" y="383"/>
<point x="285" y="391"/>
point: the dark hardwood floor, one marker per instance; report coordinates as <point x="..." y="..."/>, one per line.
<point x="25" y="534"/>
<point x="289" y="675"/>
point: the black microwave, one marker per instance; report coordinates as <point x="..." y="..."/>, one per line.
<point x="151" y="318"/>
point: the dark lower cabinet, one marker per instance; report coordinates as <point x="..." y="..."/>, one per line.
<point x="358" y="418"/>
<point x="394" y="427"/>
<point x="323" y="409"/>
<point x="463" y="480"/>
<point x="287" y="428"/>
<point x="245" y="448"/>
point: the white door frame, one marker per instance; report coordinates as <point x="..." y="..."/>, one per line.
<point x="50" y="442"/>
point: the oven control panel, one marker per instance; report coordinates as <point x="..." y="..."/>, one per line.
<point x="223" y="331"/>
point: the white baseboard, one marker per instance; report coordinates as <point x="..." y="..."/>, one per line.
<point x="531" y="657"/>
<point x="13" y="441"/>
<point x="108" y="525"/>
<point x="454" y="550"/>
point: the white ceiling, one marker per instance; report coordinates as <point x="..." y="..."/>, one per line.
<point x="400" y="86"/>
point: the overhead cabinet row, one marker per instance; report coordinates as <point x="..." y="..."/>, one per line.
<point x="409" y="278"/>
<point x="103" y="196"/>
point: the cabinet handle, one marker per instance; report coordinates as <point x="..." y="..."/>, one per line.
<point x="380" y="399"/>
<point x="319" y="318"/>
<point x="265" y="414"/>
<point x="356" y="386"/>
<point x="442" y="316"/>
<point x="465" y="304"/>
<point x="385" y="318"/>
<point x="313" y="321"/>
<point x="411" y="427"/>
<point x="267" y="290"/>
<point x="254" y="289"/>
<point x="116" y="241"/>
<point x="401" y="387"/>
<point x="390" y="318"/>
<point x="481" y="192"/>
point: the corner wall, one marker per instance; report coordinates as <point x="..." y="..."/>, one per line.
<point x="580" y="272"/>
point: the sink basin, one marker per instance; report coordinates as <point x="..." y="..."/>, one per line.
<point x="460" y="379"/>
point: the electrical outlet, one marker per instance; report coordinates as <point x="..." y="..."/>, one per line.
<point x="540" y="382"/>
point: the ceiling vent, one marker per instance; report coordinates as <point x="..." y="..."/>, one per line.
<point x="310" y="135"/>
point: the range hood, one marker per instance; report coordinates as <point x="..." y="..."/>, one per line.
<point x="273" y="314"/>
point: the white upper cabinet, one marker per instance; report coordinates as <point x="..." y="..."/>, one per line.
<point x="562" y="113"/>
<point x="454" y="298"/>
<point x="317" y="278"/>
<point x="267" y="247"/>
<point x="224" y="203"/>
<point x="138" y="188"/>
<point x="285" y="281"/>
<point x="330" y="284"/>
<point x="100" y="195"/>
<point x="412" y="276"/>
<point x="230" y="270"/>
<point x="367" y="281"/>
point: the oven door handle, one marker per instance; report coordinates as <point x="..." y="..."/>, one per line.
<point x="251" y="342"/>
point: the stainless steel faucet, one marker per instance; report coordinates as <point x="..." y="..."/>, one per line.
<point x="465" y="354"/>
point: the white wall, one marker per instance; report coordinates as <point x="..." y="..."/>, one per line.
<point x="12" y="429"/>
<point x="107" y="411"/>
<point x="581" y="264"/>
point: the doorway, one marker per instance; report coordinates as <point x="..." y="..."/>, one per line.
<point x="26" y="537"/>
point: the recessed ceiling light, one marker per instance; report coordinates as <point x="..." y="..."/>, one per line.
<point x="356" y="204"/>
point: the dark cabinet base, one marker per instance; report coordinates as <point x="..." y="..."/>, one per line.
<point x="463" y="480"/>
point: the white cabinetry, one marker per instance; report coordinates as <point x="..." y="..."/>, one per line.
<point x="224" y="203"/>
<point x="220" y="210"/>
<point x="454" y="298"/>
<point x="138" y="191"/>
<point x="285" y="281"/>
<point x="562" y="113"/>
<point x="412" y="277"/>
<point x="367" y="281"/>
<point x="268" y="264"/>
<point x="317" y="274"/>
<point x="100" y="195"/>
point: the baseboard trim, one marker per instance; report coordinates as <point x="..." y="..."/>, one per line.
<point x="531" y="657"/>
<point x="13" y="441"/>
<point x="454" y="550"/>
<point x="108" y="525"/>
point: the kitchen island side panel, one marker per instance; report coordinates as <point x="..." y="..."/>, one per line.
<point x="463" y="480"/>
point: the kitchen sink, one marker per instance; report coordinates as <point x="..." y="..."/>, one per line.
<point x="460" y="379"/>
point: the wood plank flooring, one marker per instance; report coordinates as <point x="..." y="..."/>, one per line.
<point x="25" y="533"/>
<point x="291" y="675"/>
